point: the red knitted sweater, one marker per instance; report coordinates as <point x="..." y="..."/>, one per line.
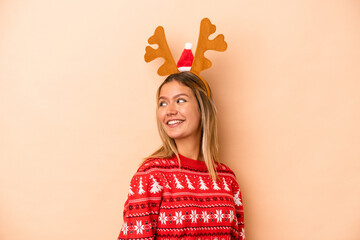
<point x="168" y="202"/>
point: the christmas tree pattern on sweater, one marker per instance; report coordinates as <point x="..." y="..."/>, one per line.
<point x="165" y="202"/>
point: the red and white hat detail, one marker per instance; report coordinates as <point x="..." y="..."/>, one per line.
<point x="186" y="59"/>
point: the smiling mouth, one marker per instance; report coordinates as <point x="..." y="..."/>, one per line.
<point x="174" y="123"/>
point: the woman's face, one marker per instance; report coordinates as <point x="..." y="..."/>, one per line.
<point x="179" y="112"/>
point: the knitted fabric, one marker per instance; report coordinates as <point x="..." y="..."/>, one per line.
<point x="166" y="202"/>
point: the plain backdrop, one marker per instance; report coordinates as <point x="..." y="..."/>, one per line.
<point x="77" y="111"/>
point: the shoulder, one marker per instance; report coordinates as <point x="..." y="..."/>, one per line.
<point x="222" y="167"/>
<point x="155" y="164"/>
<point x="150" y="170"/>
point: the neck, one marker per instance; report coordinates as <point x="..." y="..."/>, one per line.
<point x="189" y="148"/>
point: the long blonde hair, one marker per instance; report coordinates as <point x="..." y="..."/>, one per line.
<point x="209" y="134"/>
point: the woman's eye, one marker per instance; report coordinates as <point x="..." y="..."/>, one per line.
<point x="181" y="100"/>
<point x="161" y="104"/>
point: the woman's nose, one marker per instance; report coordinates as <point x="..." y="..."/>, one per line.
<point x="171" y="109"/>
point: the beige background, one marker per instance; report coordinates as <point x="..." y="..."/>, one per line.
<point x="77" y="112"/>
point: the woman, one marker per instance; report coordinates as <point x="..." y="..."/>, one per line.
<point x="182" y="191"/>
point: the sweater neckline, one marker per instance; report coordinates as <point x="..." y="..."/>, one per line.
<point x="185" y="161"/>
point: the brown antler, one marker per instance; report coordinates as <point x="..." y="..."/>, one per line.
<point x="169" y="66"/>
<point x="218" y="44"/>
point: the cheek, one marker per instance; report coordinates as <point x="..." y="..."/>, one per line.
<point x="196" y="115"/>
<point x="199" y="117"/>
<point x="160" y="115"/>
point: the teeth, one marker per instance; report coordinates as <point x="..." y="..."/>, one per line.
<point x="174" y="121"/>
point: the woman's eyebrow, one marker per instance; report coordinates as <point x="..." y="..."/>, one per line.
<point x="177" y="95"/>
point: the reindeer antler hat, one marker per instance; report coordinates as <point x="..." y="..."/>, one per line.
<point x="195" y="64"/>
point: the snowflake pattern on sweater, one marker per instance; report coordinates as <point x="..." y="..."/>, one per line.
<point x="168" y="202"/>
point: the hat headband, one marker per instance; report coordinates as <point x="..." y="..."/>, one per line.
<point x="200" y="62"/>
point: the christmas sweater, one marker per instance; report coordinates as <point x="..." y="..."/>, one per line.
<point x="168" y="202"/>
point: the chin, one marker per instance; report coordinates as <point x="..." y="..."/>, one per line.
<point x="175" y="136"/>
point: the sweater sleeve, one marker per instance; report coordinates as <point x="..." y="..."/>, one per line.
<point x="141" y="208"/>
<point x="239" y="210"/>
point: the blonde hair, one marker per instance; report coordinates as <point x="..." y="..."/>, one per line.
<point x="209" y="134"/>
